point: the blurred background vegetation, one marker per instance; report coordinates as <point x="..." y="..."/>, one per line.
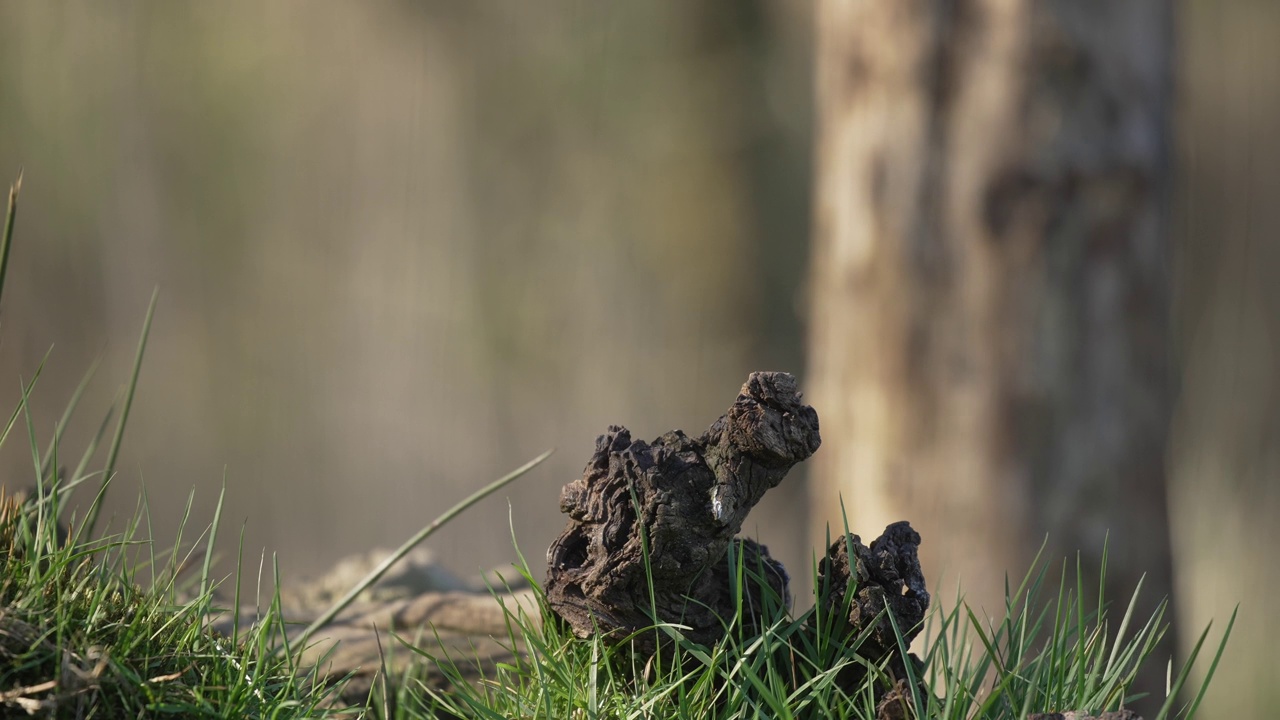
<point x="402" y="247"/>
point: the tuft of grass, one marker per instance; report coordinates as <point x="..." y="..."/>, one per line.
<point x="1048" y="654"/>
<point x="80" y="636"/>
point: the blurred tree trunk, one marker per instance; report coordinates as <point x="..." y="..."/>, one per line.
<point x="1224" y="492"/>
<point x="990" y="334"/>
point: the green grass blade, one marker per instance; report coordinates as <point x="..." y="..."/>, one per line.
<point x="235" y="608"/>
<point x="1118" y="642"/>
<point x="174" y="565"/>
<point x="45" y="470"/>
<point x="9" y="217"/>
<point x="92" y="447"/>
<point x="1213" y="667"/>
<point x="1182" y="675"/>
<point x="903" y="652"/>
<point x="13" y="418"/>
<point x="213" y="536"/>
<point x="114" y="453"/>
<point x="41" y="513"/>
<point x="97" y="500"/>
<point x="1081" y="660"/>
<point x="413" y="542"/>
<point x="151" y="535"/>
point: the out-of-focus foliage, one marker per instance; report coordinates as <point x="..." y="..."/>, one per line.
<point x="402" y="247"/>
<point x="1225" y="447"/>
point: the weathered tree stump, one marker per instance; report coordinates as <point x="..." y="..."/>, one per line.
<point x="651" y="536"/>
<point x="660" y="518"/>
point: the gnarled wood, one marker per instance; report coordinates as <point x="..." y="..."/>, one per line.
<point x="856" y="584"/>
<point x="651" y="536"/>
<point x="651" y="524"/>
<point x="885" y="574"/>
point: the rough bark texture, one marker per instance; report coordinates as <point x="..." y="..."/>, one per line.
<point x="677" y="505"/>
<point x="652" y="525"/>
<point x="990" y="295"/>
<point x="885" y="575"/>
<point x="661" y="517"/>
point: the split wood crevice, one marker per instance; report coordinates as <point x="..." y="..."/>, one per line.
<point x="652" y="533"/>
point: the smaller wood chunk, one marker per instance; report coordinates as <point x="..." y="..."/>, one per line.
<point x="853" y="597"/>
<point x="888" y="574"/>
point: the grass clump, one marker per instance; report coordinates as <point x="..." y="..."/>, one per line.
<point x="81" y="635"/>
<point x="1048" y="654"/>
